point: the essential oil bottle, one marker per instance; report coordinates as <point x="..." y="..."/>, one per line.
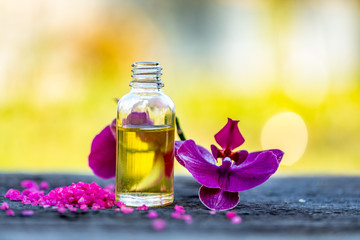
<point x="145" y="140"/>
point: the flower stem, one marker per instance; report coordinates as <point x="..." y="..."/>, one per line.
<point x="179" y="130"/>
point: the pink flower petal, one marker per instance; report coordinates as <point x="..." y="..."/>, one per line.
<point x="200" y="163"/>
<point x="27" y="212"/>
<point x="102" y="158"/>
<point x="4" y="206"/>
<point x="10" y="212"/>
<point x="216" y="199"/>
<point x="230" y="215"/>
<point x="236" y="220"/>
<point x="229" y="136"/>
<point x="113" y="128"/>
<point x="142" y="208"/>
<point x="158" y="224"/>
<point x="152" y="214"/>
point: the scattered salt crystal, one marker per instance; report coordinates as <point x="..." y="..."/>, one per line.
<point x="84" y="207"/>
<point x="179" y="209"/>
<point x="120" y="204"/>
<point x="187" y="218"/>
<point x="110" y="186"/>
<point x="126" y="210"/>
<point x="212" y="212"/>
<point x="61" y="210"/>
<point x="152" y="214"/>
<point x="4" y="206"/>
<point x="302" y="200"/>
<point x="95" y="206"/>
<point x="230" y="215"/>
<point x="158" y="224"/>
<point x="10" y="212"/>
<point x="27" y="212"/>
<point x="236" y="220"/>
<point x="142" y="208"/>
<point x="117" y="209"/>
<point x="44" y="185"/>
<point x="29" y="184"/>
<point x="176" y="215"/>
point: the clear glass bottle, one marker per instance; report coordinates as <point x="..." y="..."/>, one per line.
<point x="145" y="140"/>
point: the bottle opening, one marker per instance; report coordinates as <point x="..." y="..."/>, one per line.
<point x="146" y="71"/>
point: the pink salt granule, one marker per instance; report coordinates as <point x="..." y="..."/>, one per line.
<point x="13" y="194"/>
<point x="4" y="206"/>
<point x="120" y="204"/>
<point x="27" y="212"/>
<point x="230" y="215"/>
<point x="84" y="207"/>
<point x="236" y="220"/>
<point x="142" y="208"/>
<point x="110" y="186"/>
<point x="176" y="215"/>
<point x="152" y="214"/>
<point x="10" y="212"/>
<point x="117" y="209"/>
<point x="179" y="209"/>
<point x="212" y="212"/>
<point x="126" y="210"/>
<point x="158" y="224"/>
<point x="187" y="218"/>
<point x="61" y="209"/>
<point x="44" y="185"/>
<point x="29" y="184"/>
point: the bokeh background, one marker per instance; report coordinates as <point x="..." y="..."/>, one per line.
<point x="288" y="70"/>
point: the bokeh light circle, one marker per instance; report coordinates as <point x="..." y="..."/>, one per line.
<point x="286" y="131"/>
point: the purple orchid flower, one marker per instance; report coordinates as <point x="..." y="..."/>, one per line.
<point x="239" y="171"/>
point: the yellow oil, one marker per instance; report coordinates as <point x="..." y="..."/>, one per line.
<point x="144" y="165"/>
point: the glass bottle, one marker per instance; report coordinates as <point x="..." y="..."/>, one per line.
<point x="145" y="140"/>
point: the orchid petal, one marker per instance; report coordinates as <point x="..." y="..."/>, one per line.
<point x="229" y="136"/>
<point x="102" y="158"/>
<point x="200" y="163"/>
<point x="177" y="145"/>
<point x="251" y="173"/>
<point x="216" y="199"/>
<point x="215" y="151"/>
<point x="239" y="157"/>
<point x="138" y="118"/>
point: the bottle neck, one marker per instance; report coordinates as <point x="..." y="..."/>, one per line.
<point x="146" y="76"/>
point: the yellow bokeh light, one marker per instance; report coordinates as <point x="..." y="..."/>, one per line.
<point x="286" y="131"/>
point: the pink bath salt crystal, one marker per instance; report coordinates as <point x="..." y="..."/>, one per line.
<point x="26" y="200"/>
<point x="109" y="204"/>
<point x="152" y="214"/>
<point x="13" y="194"/>
<point x="46" y="206"/>
<point x="120" y="204"/>
<point x="176" y="215"/>
<point x="117" y="209"/>
<point x="44" y="185"/>
<point x="29" y="184"/>
<point x="27" y="212"/>
<point x="82" y="200"/>
<point x="230" y="215"/>
<point x="236" y="220"/>
<point x="84" y="207"/>
<point x="179" y="209"/>
<point x="95" y="206"/>
<point x="61" y="209"/>
<point x="126" y="210"/>
<point x="142" y="208"/>
<point x="158" y="224"/>
<point x="4" y="206"/>
<point x="110" y="186"/>
<point x="187" y="218"/>
<point x="212" y="212"/>
<point x="10" y="212"/>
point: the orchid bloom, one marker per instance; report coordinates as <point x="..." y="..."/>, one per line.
<point x="239" y="170"/>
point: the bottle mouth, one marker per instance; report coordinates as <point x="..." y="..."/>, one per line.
<point x="146" y="71"/>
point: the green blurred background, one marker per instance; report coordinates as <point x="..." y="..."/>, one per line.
<point x="288" y="70"/>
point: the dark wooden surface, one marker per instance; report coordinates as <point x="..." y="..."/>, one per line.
<point x="270" y="211"/>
